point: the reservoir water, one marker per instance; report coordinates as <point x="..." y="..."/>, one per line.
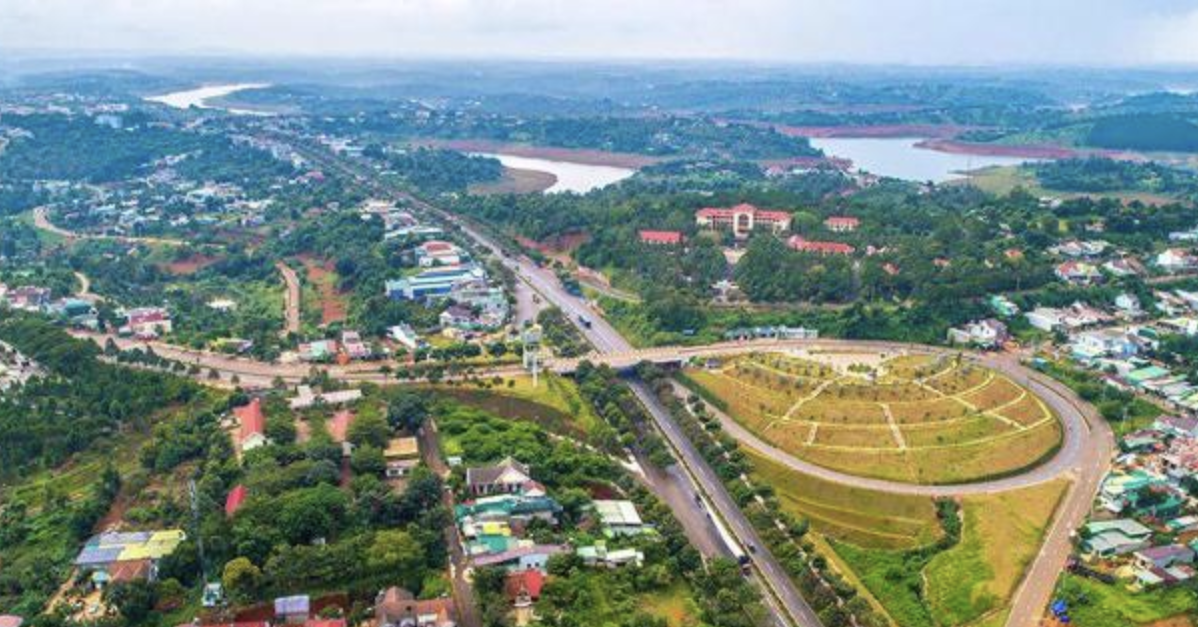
<point x="902" y="158"/>
<point x="200" y="96"/>
<point x="571" y="176"/>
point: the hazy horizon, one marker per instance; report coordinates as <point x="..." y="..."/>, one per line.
<point x="924" y="33"/>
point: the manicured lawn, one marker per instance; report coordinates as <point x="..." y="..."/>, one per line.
<point x="1001" y="535"/>
<point x="1095" y="604"/>
<point x="958" y="423"/>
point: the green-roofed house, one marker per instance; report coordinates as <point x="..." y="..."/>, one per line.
<point x="1110" y="538"/>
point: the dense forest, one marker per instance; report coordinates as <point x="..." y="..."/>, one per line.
<point x="1152" y="132"/>
<point x="1110" y="175"/>
<point x="81" y="400"/>
<point x="60" y="147"/>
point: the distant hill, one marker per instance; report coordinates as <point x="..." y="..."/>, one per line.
<point x="1153" y="132"/>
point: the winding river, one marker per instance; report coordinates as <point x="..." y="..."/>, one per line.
<point x="200" y="97"/>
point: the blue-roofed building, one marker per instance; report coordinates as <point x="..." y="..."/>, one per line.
<point x="432" y="283"/>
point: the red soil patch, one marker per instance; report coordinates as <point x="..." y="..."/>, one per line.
<point x="333" y="307"/>
<point x="191" y="265"/>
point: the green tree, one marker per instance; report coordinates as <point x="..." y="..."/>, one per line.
<point x="241" y="579"/>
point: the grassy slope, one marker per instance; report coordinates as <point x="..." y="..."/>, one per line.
<point x="972" y="582"/>
<point x="1001" y="535"/>
<point x="865" y="517"/>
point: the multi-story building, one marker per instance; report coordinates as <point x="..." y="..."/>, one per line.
<point x="743" y="219"/>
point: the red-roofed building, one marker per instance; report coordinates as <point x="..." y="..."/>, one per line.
<point x="742" y="219"/>
<point x="235" y="499"/>
<point x="819" y="248"/>
<point x="525" y="584"/>
<point x="661" y="238"/>
<point x="842" y="224"/>
<point x="252" y="425"/>
<point x="339" y="426"/>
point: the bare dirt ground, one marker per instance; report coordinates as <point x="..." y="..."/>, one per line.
<point x="517" y="181"/>
<point x="333" y="306"/>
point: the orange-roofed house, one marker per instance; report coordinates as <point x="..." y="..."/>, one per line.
<point x="661" y="238"/>
<point x="743" y="219"/>
<point x="819" y="248"/>
<point x="235" y="500"/>
<point x="251" y="431"/>
<point x="842" y="224"/>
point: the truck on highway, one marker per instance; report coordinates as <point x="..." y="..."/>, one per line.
<point x="585" y="321"/>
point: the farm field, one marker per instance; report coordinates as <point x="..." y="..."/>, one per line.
<point x="914" y="418"/>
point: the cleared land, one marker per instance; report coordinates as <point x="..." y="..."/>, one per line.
<point x="914" y="418"/>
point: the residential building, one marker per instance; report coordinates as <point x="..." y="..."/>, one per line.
<point x="318" y="351"/>
<point x="1111" y="538"/>
<point x="619" y="518"/>
<point x="438" y="253"/>
<point x="1003" y="307"/>
<point x="1112" y="343"/>
<point x="524" y="558"/>
<point x="507" y="477"/>
<point x="661" y="238"/>
<point x="1164" y="556"/>
<point x="599" y="555"/>
<point x="147" y="322"/>
<point x="306" y="398"/>
<point x="1123" y="267"/>
<point x="1128" y="304"/>
<point x="251" y="431"/>
<point x="989" y="333"/>
<point x="842" y="224"/>
<point x="407" y="337"/>
<point x="354" y="347"/>
<point x="402" y="455"/>
<point x="130" y="556"/>
<point x="28" y="298"/>
<point x="797" y="242"/>
<point x="397" y="607"/>
<point x="1079" y="249"/>
<point x="743" y="219"/>
<point x="1176" y="260"/>
<point x="1078" y="272"/>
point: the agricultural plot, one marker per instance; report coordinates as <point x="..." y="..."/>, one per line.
<point x="910" y="418"/>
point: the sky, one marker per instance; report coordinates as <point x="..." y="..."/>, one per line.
<point x="917" y="32"/>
